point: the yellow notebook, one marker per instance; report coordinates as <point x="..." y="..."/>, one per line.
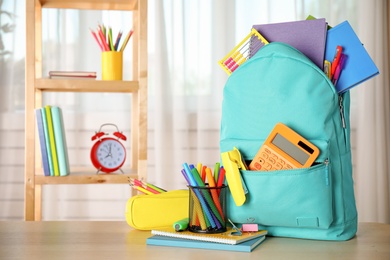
<point x="224" y="238"/>
<point x="52" y="141"/>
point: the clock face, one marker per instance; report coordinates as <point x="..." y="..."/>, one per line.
<point x="110" y="154"/>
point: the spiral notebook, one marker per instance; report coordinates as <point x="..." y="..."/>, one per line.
<point x="223" y="238"/>
<point x="246" y="246"/>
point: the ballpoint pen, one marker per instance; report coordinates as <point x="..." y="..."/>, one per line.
<point x="336" y="59"/>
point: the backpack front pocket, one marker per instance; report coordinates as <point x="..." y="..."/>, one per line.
<point x="286" y="198"/>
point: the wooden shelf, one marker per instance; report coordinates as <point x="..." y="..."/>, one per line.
<point x="36" y="86"/>
<point x="123" y="5"/>
<point x="86" y="85"/>
<point x="85" y="178"/>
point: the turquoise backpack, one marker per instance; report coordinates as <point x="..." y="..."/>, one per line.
<point x="280" y="84"/>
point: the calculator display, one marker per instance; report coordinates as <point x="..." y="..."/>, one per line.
<point x="290" y="149"/>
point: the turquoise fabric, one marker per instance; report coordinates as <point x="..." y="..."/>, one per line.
<point x="280" y="84"/>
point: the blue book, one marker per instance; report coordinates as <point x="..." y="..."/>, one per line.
<point x="48" y="148"/>
<point x="358" y="66"/>
<point x="42" y="142"/>
<point x="246" y="246"/>
<point x="60" y="141"/>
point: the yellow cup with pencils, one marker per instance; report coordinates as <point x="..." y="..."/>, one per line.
<point x="112" y="65"/>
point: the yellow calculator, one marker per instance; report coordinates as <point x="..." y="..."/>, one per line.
<point x="284" y="149"/>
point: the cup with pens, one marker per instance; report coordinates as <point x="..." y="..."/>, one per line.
<point x="207" y="200"/>
<point x="112" y="51"/>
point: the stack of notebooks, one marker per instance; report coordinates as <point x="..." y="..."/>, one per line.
<point x="318" y="41"/>
<point x="52" y="140"/>
<point x="220" y="241"/>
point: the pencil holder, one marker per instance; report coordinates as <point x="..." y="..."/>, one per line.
<point x="112" y="65"/>
<point x="207" y="209"/>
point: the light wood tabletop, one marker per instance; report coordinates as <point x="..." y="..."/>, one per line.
<point x="116" y="240"/>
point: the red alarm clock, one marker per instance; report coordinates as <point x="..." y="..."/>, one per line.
<point x="108" y="154"/>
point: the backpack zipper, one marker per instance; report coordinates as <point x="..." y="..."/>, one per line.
<point x="342" y="111"/>
<point x="326" y="172"/>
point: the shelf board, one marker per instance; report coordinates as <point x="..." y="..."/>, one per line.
<point x="124" y="5"/>
<point x="86" y="85"/>
<point x="85" y="178"/>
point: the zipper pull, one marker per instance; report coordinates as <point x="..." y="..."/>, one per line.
<point x="342" y="111"/>
<point x="327" y="172"/>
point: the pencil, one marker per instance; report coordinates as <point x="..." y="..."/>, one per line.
<point x="128" y="36"/>
<point x="96" y="39"/>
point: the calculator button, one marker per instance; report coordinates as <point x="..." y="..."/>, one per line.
<point x="272" y="160"/>
<point x="258" y="166"/>
<point x="267" y="166"/>
<point x="278" y="166"/>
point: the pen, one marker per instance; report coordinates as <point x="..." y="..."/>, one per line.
<point x="336" y="59"/>
<point x="216" y="171"/>
<point x="204" y="173"/>
<point x="214" y="192"/>
<point x="221" y="176"/>
<point x="339" y="68"/>
<point x="181" y="225"/>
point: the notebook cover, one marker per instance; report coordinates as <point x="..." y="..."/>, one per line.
<point x="42" y="142"/>
<point x="358" y="66"/>
<point x="47" y="140"/>
<point x="246" y="246"/>
<point x="60" y="141"/>
<point x="52" y="143"/>
<point x="308" y="36"/>
<point x="223" y="238"/>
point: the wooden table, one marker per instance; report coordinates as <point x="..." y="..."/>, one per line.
<point x="93" y="240"/>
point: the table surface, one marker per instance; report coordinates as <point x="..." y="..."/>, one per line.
<point x="116" y="240"/>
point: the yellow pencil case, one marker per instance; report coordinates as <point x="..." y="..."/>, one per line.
<point x="147" y="212"/>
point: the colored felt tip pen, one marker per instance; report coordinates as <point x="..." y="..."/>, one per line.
<point x="181" y="225"/>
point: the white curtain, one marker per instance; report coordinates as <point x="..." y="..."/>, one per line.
<point x="186" y="40"/>
<point x="372" y="166"/>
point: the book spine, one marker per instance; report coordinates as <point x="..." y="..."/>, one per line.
<point x="47" y="141"/>
<point x="60" y="141"/>
<point x="52" y="141"/>
<point x="42" y="142"/>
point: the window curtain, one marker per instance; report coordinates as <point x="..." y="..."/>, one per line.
<point x="372" y="165"/>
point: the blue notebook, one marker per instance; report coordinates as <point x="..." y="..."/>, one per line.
<point x="42" y="141"/>
<point x="358" y="66"/>
<point x="246" y="246"/>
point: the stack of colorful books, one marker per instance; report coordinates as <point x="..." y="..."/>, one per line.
<point x="52" y="140"/>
